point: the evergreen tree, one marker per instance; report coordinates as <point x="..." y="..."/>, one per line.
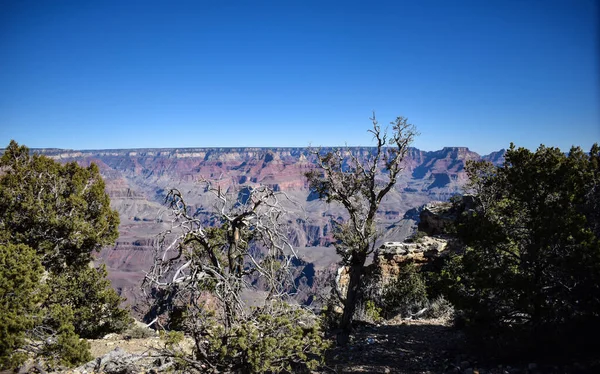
<point x="61" y="211"/>
<point x="531" y="269"/>
<point x="359" y="186"/>
<point x="20" y="295"/>
<point x="53" y="217"/>
<point x="95" y="305"/>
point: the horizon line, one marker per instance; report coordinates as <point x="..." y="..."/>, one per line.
<point x="54" y="149"/>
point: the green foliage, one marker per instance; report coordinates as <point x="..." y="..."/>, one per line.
<point x="406" y="294"/>
<point x="532" y="264"/>
<point x="20" y="294"/>
<point x="53" y="217"/>
<point x="139" y="332"/>
<point x="64" y="347"/>
<point x="171" y="339"/>
<point x="95" y="304"/>
<point x="416" y="238"/>
<point x="283" y="339"/>
<point x="274" y="338"/>
<point x="61" y="211"/>
<point x="372" y="311"/>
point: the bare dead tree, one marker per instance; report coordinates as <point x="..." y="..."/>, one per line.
<point x="243" y="239"/>
<point x="202" y="266"/>
<point x="360" y="186"/>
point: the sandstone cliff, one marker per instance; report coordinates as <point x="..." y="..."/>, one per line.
<point x="137" y="181"/>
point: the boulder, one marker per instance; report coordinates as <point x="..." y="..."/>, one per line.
<point x="390" y="256"/>
<point x="435" y="217"/>
<point x="116" y="361"/>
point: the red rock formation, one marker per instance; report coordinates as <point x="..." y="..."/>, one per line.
<point x="138" y="180"/>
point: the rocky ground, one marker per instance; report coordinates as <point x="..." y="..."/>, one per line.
<point x="428" y="347"/>
<point x="396" y="346"/>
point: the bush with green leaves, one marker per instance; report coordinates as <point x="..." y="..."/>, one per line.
<point x="138" y="332"/>
<point x="405" y="295"/>
<point x="61" y="211"/>
<point x="367" y="311"/>
<point x="276" y="338"/>
<point x="440" y="308"/>
<point x="55" y="217"/>
<point x="20" y="296"/>
<point x="530" y="274"/>
<point x="95" y="304"/>
<point x="62" y="347"/>
<point x="273" y="338"/>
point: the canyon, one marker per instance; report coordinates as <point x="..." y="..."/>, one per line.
<point x="138" y="180"/>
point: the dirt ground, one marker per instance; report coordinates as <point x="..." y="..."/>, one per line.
<point x="397" y="346"/>
<point x="428" y="346"/>
<point x="100" y="347"/>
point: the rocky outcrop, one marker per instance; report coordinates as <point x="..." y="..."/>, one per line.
<point x="116" y="362"/>
<point x="435" y="218"/>
<point x="429" y="244"/>
<point x="390" y="256"/>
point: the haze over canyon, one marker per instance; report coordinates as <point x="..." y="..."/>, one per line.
<point x="138" y="180"/>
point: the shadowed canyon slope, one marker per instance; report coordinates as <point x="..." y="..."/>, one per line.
<point x="138" y="180"/>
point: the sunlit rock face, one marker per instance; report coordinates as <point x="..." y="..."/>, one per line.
<point x="432" y="241"/>
<point x="138" y="181"/>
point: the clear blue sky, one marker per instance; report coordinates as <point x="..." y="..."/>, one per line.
<point x="132" y="74"/>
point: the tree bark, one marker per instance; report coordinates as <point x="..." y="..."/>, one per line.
<point x="355" y="273"/>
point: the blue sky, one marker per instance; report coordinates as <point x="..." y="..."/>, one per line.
<point x="136" y="74"/>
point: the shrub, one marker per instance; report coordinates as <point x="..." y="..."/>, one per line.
<point x="61" y="211"/>
<point x="271" y="339"/>
<point x="530" y="275"/>
<point x="270" y="342"/>
<point x="63" y="347"/>
<point x="440" y="308"/>
<point x="368" y="311"/>
<point x="95" y="304"/>
<point x="20" y="294"/>
<point x="406" y="294"/>
<point x="139" y="332"/>
<point x="53" y="217"/>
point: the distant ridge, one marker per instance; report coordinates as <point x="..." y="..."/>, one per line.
<point x="54" y="151"/>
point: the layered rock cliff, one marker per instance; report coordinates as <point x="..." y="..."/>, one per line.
<point x="138" y="180"/>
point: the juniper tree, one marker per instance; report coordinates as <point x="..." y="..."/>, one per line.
<point x="360" y="186"/>
<point x="61" y="211"/>
<point x="62" y="214"/>
<point x="20" y="295"/>
<point x="532" y="261"/>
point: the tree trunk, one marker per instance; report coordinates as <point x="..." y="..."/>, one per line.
<point x="355" y="274"/>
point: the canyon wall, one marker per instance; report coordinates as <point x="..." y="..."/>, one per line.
<point x="138" y="180"/>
